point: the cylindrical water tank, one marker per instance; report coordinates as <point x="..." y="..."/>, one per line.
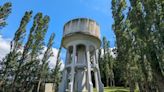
<point x="81" y="28"/>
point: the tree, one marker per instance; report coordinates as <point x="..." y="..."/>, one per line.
<point x="21" y="67"/>
<point x="106" y="63"/>
<point x="136" y="34"/>
<point x="44" y="63"/>
<point x="56" y="71"/>
<point x="10" y="62"/>
<point x="32" y="65"/>
<point x="153" y="22"/>
<point x="25" y="55"/>
<point x="110" y="61"/>
<point x="101" y="64"/>
<point x="5" y="10"/>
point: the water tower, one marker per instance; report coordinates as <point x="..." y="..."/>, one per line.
<point x="81" y="39"/>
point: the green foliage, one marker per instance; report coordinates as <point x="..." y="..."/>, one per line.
<point x="23" y="68"/>
<point x="136" y="34"/>
<point x="10" y="61"/>
<point x="43" y="71"/>
<point x="5" y="10"/>
<point x="106" y="63"/>
<point x="32" y="66"/>
<point x="56" y="71"/>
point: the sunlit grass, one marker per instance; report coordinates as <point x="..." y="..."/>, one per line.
<point x="115" y="89"/>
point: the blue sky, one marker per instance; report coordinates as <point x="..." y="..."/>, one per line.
<point x="61" y="11"/>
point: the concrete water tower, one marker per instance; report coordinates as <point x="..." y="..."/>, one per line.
<point x="81" y="39"/>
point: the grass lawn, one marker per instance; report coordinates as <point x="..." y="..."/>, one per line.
<point x="115" y="89"/>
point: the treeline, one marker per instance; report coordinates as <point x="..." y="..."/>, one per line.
<point x="106" y="63"/>
<point x="24" y="69"/>
<point x="139" y="30"/>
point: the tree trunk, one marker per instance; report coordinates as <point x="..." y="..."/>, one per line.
<point x="126" y="84"/>
<point x="111" y="82"/>
<point x="131" y="85"/>
<point x="40" y="80"/>
<point x="160" y="81"/>
<point x="31" y="88"/>
<point x="56" y="87"/>
<point x="107" y="82"/>
<point x="141" y="88"/>
<point x="1" y="82"/>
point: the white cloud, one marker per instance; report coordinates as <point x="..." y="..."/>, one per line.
<point x="5" y="48"/>
<point x="111" y="52"/>
<point x="54" y="58"/>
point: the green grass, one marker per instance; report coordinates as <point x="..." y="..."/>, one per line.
<point x="115" y="89"/>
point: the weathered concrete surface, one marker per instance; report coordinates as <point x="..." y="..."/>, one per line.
<point x="49" y="87"/>
<point x="83" y="25"/>
<point x="81" y="38"/>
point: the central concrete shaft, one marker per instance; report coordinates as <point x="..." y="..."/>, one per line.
<point x="81" y="38"/>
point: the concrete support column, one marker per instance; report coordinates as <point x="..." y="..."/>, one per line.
<point x="95" y="72"/>
<point x="67" y="57"/>
<point x="90" y="85"/>
<point x="99" y="84"/>
<point x="71" y="84"/>
<point x="63" y="84"/>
